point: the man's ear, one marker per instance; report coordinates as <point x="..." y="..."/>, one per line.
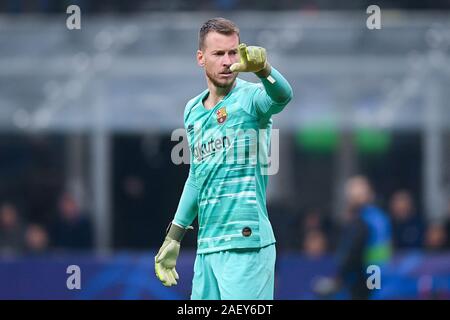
<point x="200" y="58"/>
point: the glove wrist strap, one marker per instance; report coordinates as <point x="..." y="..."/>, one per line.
<point x="265" y="72"/>
<point x="176" y="232"/>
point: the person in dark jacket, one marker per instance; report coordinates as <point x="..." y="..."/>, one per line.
<point x="365" y="240"/>
<point x="72" y="229"/>
<point x="408" y="228"/>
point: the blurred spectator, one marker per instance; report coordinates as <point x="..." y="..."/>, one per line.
<point x="366" y="240"/>
<point x="36" y="239"/>
<point x="72" y="229"/>
<point x="435" y="237"/>
<point x="406" y="223"/>
<point x="315" y="243"/>
<point x="132" y="207"/>
<point x="311" y="220"/>
<point x="11" y="230"/>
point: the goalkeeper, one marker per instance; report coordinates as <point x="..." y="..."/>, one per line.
<point x="236" y="245"/>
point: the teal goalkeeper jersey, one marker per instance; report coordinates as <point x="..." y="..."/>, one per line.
<point x="229" y="161"/>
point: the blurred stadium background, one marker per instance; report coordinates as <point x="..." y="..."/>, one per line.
<point x="86" y="118"/>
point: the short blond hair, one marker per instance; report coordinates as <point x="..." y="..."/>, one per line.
<point x="219" y="25"/>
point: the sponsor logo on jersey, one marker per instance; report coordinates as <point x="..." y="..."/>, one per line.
<point x="204" y="150"/>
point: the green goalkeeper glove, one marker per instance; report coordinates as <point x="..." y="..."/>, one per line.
<point x="166" y="259"/>
<point x="253" y="59"/>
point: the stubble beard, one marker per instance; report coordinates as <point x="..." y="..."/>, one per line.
<point x="218" y="84"/>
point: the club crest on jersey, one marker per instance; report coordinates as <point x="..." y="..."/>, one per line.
<point x="221" y="115"/>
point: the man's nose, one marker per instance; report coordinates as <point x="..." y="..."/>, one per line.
<point x="227" y="60"/>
